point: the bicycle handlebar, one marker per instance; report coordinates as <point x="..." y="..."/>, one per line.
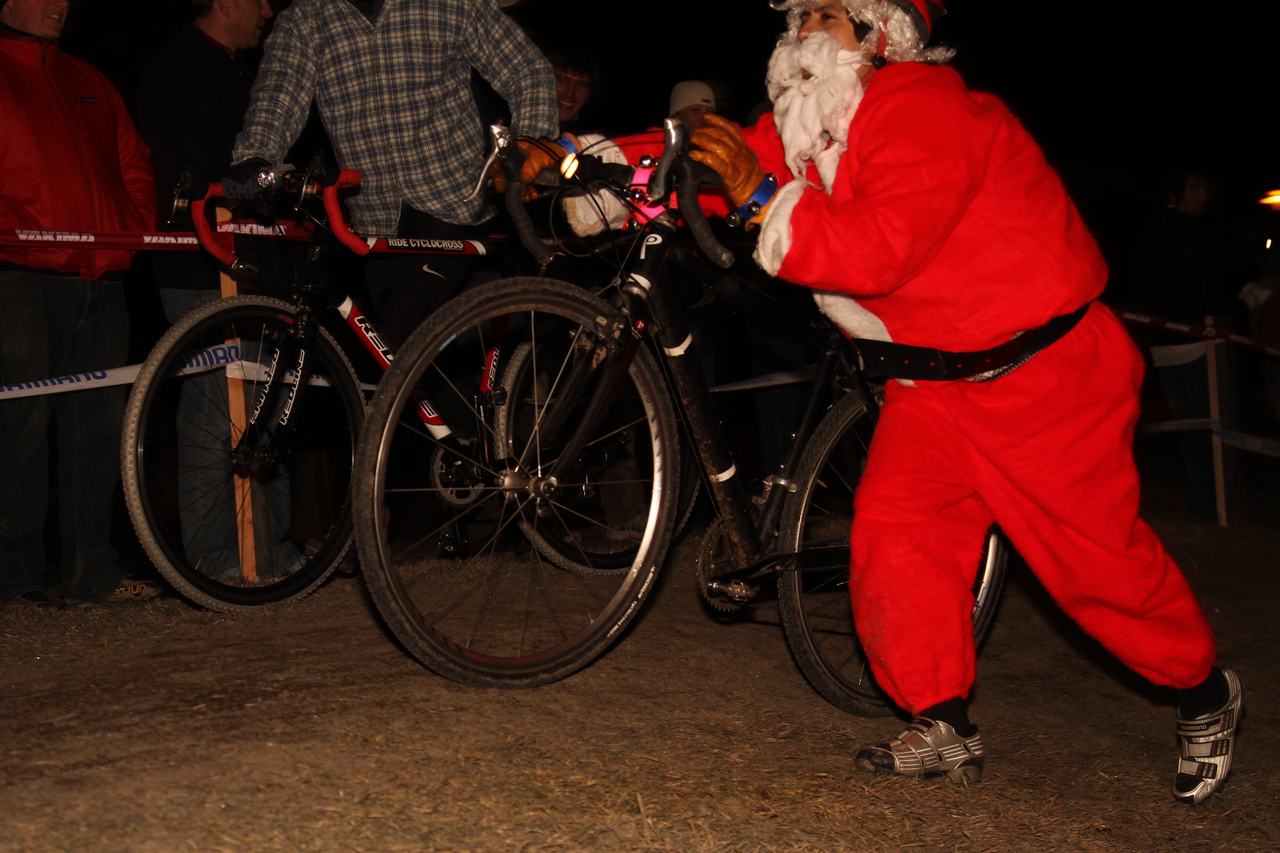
<point x="513" y="197"/>
<point x="204" y="233"/>
<point x="347" y="178"/>
<point x="690" y="175"/>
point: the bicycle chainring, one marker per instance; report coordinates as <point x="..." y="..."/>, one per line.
<point x="713" y="560"/>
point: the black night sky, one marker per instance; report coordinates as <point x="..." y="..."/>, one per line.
<point x="1115" y="101"/>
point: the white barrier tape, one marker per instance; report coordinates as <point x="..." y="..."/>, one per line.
<point x="186" y="241"/>
<point x="212" y="358"/>
<point x="1254" y="443"/>
<point x="1184" y="425"/>
<point x="1192" y="331"/>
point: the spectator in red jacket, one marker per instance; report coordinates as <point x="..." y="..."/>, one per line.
<point x="929" y="221"/>
<point x="70" y="161"/>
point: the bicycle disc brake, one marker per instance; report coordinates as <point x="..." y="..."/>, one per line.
<point x="455" y="477"/>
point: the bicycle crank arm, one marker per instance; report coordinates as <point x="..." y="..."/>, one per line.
<point x="743" y="587"/>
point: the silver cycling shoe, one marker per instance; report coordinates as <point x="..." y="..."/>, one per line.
<point x="927" y="748"/>
<point x="1205" y="746"/>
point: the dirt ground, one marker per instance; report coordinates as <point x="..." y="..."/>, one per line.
<point x="161" y="727"/>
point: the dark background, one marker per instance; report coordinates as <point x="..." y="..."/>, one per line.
<point x="1116" y="100"/>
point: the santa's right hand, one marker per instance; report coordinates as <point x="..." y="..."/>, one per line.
<point x="720" y="147"/>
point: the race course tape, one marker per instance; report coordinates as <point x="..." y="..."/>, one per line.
<point x="1193" y="331"/>
<point x="208" y="359"/>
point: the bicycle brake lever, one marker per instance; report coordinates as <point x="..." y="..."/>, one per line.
<point x="501" y="138"/>
<point x="673" y="136"/>
<point x="271" y="178"/>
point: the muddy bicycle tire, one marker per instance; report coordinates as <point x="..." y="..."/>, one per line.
<point x="276" y="530"/>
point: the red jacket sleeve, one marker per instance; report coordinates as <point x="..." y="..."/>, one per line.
<point x="915" y="161"/>
<point x="135" y="167"/>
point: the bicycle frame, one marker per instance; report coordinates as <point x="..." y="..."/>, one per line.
<point x="644" y="296"/>
<point x="310" y="293"/>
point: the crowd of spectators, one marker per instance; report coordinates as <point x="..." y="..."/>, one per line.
<point x="78" y="155"/>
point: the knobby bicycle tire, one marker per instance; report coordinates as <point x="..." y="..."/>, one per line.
<point x="443" y="526"/>
<point x="814" y="606"/>
<point x="235" y="522"/>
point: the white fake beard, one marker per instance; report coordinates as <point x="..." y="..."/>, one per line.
<point x="812" y="113"/>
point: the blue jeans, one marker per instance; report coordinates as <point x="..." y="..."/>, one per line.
<point x="55" y="325"/>
<point x="206" y="499"/>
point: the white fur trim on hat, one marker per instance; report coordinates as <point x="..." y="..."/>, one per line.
<point x="902" y="39"/>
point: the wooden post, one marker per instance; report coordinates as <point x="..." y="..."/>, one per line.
<point x="1213" y="352"/>
<point x="239" y="418"/>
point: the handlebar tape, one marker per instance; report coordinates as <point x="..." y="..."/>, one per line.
<point x="693" y="174"/>
<point x="333" y="210"/>
<point x="204" y="233"/>
<point x="516" y="210"/>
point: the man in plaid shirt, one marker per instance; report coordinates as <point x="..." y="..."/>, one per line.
<point x="391" y="80"/>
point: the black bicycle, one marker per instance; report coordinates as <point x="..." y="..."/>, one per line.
<point x="560" y="503"/>
<point x="241" y="427"/>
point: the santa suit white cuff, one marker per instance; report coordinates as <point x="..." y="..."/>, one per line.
<point x="775" y="232"/>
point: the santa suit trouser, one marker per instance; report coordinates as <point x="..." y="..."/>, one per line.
<point x="1046" y="453"/>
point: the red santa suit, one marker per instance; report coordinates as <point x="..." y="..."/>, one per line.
<point x="948" y="227"/>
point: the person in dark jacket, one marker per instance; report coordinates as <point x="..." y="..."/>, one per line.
<point x="192" y="98"/>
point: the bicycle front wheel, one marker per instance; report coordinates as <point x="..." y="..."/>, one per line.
<point x="813" y="598"/>
<point x="233" y="517"/>
<point x="464" y="540"/>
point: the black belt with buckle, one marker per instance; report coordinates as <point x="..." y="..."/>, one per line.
<point x="903" y="361"/>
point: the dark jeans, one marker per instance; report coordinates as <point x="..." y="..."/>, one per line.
<point x="1186" y="390"/>
<point x="50" y="326"/>
<point x="406" y="289"/>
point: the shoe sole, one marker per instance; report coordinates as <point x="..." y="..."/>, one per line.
<point x="967" y="774"/>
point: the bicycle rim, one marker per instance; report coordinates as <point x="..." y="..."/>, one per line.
<point x="236" y="521"/>
<point x="814" y="602"/>
<point x="454" y="534"/>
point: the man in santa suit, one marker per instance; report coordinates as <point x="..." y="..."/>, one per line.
<point x="928" y="220"/>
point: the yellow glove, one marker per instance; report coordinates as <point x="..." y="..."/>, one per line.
<point x="720" y="147"/>
<point x="539" y="156"/>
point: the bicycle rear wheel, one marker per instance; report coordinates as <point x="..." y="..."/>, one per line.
<point x="236" y="520"/>
<point x="814" y="599"/>
<point x="446" y="527"/>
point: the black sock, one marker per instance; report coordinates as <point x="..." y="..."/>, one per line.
<point x="953" y="712"/>
<point x="1205" y="698"/>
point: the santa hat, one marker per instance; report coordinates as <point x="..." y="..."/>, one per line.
<point x="901" y="29"/>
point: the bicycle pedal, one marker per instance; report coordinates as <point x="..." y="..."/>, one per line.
<point x="739" y="592"/>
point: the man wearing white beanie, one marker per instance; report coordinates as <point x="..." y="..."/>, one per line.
<point x="691" y="100"/>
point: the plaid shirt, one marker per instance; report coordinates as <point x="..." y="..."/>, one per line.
<point x="395" y="98"/>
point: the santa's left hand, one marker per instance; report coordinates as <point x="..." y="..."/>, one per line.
<point x="720" y="147"/>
